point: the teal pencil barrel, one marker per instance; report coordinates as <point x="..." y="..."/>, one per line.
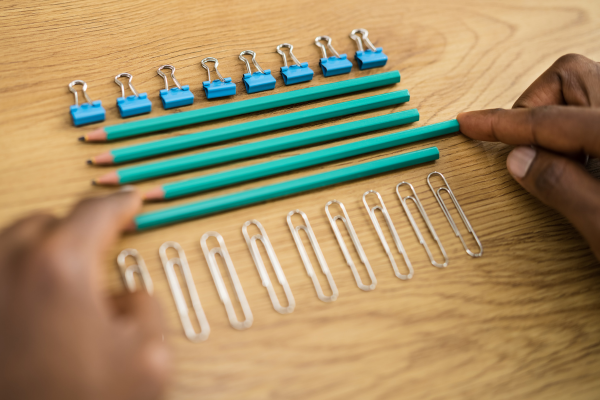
<point x="210" y="158"/>
<point x="129" y="129"/>
<point x="192" y="140"/>
<point x="262" y="170"/>
<point x="278" y="190"/>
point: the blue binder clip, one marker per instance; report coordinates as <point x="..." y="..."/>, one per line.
<point x="219" y="87"/>
<point x="135" y="104"/>
<point x="332" y="66"/>
<point x="373" y="57"/>
<point x="175" y="97"/>
<point x="89" y="112"/>
<point x="259" y="81"/>
<point x="296" y="73"/>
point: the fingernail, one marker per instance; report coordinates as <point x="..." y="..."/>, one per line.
<point x="127" y="188"/>
<point x="519" y="160"/>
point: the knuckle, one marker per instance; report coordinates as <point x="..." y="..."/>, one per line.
<point x="570" y="59"/>
<point x="550" y="179"/>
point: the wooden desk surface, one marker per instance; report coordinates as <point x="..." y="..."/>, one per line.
<point x="521" y="322"/>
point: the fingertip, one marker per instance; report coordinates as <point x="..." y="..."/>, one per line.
<point x="519" y="161"/>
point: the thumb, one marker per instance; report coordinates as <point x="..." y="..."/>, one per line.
<point x="562" y="184"/>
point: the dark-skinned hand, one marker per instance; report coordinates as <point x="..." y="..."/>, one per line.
<point x="555" y="122"/>
<point x="61" y="336"/>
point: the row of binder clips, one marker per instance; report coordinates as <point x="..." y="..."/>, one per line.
<point x="254" y="82"/>
<point x="139" y="268"/>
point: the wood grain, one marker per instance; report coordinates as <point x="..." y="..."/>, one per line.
<point x="519" y="323"/>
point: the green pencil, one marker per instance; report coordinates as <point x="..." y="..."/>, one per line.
<point x="192" y="140"/>
<point x="210" y="158"/>
<point x="136" y="128"/>
<point x="270" y="168"/>
<point x="253" y="196"/>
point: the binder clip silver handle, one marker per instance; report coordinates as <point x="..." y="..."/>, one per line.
<point x="172" y="68"/>
<point x="118" y="82"/>
<point x="289" y="46"/>
<point x="318" y="40"/>
<point x="83" y="89"/>
<point x="365" y="38"/>
<point x="244" y="59"/>
<point x="212" y="59"/>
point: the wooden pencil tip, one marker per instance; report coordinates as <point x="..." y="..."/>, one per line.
<point x="154" y="194"/>
<point x="98" y="135"/>
<point x="103" y="159"/>
<point x="110" y="179"/>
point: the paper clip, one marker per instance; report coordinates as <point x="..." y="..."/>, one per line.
<point x="345" y="218"/>
<point x="127" y="272"/>
<point x="417" y="202"/>
<point x="392" y="229"/>
<point x="180" y="303"/>
<point x="440" y="201"/>
<point x="259" y="81"/>
<point x="373" y="57"/>
<point x="175" y="97"/>
<point x="220" y="284"/>
<point x="298" y="73"/>
<point x="221" y="87"/>
<point x="333" y="65"/>
<point x="306" y="260"/>
<point x="89" y="112"/>
<point x="262" y="270"/>
<point x="135" y="104"/>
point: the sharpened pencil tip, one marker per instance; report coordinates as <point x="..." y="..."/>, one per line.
<point x="94" y="182"/>
<point x="81" y="138"/>
<point x="89" y="162"/>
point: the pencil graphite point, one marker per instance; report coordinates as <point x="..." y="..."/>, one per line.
<point x="155" y="194"/>
<point x="89" y="162"/>
<point x="81" y="138"/>
<point x="109" y="179"/>
<point x="97" y="135"/>
<point x="102" y="159"/>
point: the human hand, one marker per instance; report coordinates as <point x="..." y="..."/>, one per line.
<point x="60" y="336"/>
<point x="559" y="114"/>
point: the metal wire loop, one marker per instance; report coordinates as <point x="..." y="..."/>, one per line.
<point x="345" y="218"/>
<point x="329" y="46"/>
<point x="365" y="39"/>
<point x="244" y="59"/>
<point x="417" y="202"/>
<point x="438" y="197"/>
<point x="220" y="284"/>
<point x="182" y="308"/>
<point x="262" y="270"/>
<point x="212" y="59"/>
<point x="118" y="82"/>
<point x="392" y="229"/>
<point x="83" y="89"/>
<point x="128" y="272"/>
<point x="289" y="46"/>
<point x="172" y="68"/>
<point x="306" y="260"/>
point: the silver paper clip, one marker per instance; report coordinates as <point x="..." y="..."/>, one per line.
<point x="417" y="202"/>
<point x="262" y="270"/>
<point x="388" y="220"/>
<point x="345" y="218"/>
<point x="438" y="197"/>
<point x="306" y="260"/>
<point x="220" y="284"/>
<point x="180" y="303"/>
<point x="128" y="272"/>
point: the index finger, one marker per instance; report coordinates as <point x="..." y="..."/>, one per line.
<point x="562" y="129"/>
<point x="84" y="235"/>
